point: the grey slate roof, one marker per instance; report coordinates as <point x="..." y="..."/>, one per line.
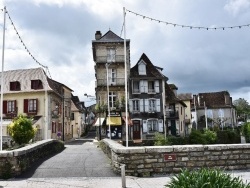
<point x="151" y="70"/>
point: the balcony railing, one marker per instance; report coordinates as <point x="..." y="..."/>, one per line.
<point x="172" y="114"/>
<point x="113" y="82"/>
<point x="105" y="59"/>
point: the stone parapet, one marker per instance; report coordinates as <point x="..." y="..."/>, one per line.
<point x="14" y="162"/>
<point x="149" y="160"/>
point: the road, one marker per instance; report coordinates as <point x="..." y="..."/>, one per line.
<point x="81" y="158"/>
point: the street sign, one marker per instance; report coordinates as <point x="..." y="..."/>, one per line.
<point x="169" y="157"/>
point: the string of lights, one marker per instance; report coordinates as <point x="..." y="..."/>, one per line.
<point x="21" y="40"/>
<point x="188" y="26"/>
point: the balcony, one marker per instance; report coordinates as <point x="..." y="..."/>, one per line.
<point x="172" y="114"/>
<point x="105" y="59"/>
<point x="112" y="82"/>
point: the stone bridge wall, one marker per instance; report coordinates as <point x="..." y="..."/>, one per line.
<point x="149" y="160"/>
<point x="14" y="162"/>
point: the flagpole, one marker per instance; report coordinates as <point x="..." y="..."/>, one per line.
<point x="1" y="108"/>
<point x="126" y="80"/>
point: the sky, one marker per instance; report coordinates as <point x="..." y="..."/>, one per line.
<point x="59" y="35"/>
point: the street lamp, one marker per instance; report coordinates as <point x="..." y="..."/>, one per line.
<point x="107" y="65"/>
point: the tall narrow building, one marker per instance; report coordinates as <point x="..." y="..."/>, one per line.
<point x="109" y="58"/>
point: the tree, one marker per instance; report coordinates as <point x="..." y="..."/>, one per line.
<point x="21" y="130"/>
<point x="242" y="108"/>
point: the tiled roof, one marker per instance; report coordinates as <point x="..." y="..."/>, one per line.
<point x="185" y="96"/>
<point x="215" y="99"/>
<point x="171" y="97"/>
<point x="24" y="77"/>
<point x="110" y="36"/>
<point x="151" y="70"/>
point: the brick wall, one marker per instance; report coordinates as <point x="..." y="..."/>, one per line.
<point x="14" y="162"/>
<point x="149" y="160"/>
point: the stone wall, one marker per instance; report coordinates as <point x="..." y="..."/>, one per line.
<point x="149" y="160"/>
<point x="14" y="162"/>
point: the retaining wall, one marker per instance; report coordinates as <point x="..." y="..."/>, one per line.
<point x="149" y="160"/>
<point x="14" y="162"/>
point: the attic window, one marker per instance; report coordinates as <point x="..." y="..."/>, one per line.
<point x="36" y="84"/>
<point x="15" y="86"/>
<point x="142" y="68"/>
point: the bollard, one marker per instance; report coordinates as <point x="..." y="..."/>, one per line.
<point x="123" y="176"/>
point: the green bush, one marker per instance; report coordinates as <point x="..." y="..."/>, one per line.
<point x="246" y="132"/>
<point x="205" y="178"/>
<point x="228" y="137"/>
<point x="210" y="136"/>
<point x="159" y="139"/>
<point x="196" y="137"/>
<point x="21" y="130"/>
<point x="173" y="140"/>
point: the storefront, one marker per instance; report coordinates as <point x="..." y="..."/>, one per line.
<point x="115" y="123"/>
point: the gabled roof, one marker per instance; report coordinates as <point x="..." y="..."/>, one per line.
<point x="151" y="70"/>
<point x="24" y="77"/>
<point x="171" y="97"/>
<point x="110" y="36"/>
<point x="214" y="99"/>
<point x="185" y="96"/>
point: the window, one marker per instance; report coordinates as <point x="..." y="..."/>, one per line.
<point x="110" y="55"/>
<point x="142" y="68"/>
<point x="151" y="105"/>
<point x="36" y="84"/>
<point x="153" y="86"/>
<point x="143" y="86"/>
<point x="152" y="125"/>
<point x="112" y="99"/>
<point x="136" y="105"/>
<point x="53" y="127"/>
<point x="15" y="86"/>
<point x="113" y="76"/>
<point x="136" y="87"/>
<point x="11" y="106"/>
<point x="30" y="106"/>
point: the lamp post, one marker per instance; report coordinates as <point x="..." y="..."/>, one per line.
<point x="107" y="65"/>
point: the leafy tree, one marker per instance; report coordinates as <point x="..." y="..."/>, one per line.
<point x="21" y="130"/>
<point x="242" y="108"/>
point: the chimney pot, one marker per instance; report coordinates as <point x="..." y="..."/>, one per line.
<point x="98" y="35"/>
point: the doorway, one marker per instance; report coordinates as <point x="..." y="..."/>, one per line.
<point x="136" y="129"/>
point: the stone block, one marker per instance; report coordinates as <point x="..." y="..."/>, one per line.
<point x="150" y="160"/>
<point x="159" y="149"/>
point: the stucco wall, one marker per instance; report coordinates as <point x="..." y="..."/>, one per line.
<point x="148" y="160"/>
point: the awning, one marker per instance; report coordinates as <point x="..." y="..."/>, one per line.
<point x="98" y="122"/>
<point x="129" y="120"/>
<point x="115" y="121"/>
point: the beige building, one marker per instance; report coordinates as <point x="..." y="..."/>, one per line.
<point x="31" y="93"/>
<point x="108" y="55"/>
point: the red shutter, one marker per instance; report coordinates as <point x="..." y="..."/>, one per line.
<point x="15" y="108"/>
<point x="4" y="107"/>
<point x="25" y="105"/>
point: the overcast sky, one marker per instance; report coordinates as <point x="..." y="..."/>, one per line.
<point x="59" y="34"/>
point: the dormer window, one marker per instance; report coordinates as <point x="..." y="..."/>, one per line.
<point x="110" y="55"/>
<point x="36" y="84"/>
<point x="15" y="86"/>
<point x="142" y="68"/>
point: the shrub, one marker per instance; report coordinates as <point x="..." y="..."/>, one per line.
<point x="196" y="137"/>
<point x="159" y="139"/>
<point x="205" y="178"/>
<point x="210" y="136"/>
<point x="246" y="132"/>
<point x="21" y="130"/>
<point x="173" y="140"/>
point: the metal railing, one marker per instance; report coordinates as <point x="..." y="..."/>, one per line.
<point x="105" y="59"/>
<point x="113" y="82"/>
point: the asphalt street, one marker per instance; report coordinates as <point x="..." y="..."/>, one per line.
<point x="80" y="158"/>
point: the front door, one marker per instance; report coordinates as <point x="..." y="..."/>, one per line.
<point x="136" y="129"/>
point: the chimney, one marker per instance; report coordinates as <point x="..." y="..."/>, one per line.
<point x="98" y="35"/>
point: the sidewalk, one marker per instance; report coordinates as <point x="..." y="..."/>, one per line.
<point x="103" y="182"/>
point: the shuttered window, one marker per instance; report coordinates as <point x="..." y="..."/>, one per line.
<point x="15" y="86"/>
<point x="36" y="84"/>
<point x="30" y="106"/>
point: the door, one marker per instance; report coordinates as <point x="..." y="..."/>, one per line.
<point x="136" y="129"/>
<point x="173" y="128"/>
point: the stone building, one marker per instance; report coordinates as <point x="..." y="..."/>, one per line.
<point x="108" y="55"/>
